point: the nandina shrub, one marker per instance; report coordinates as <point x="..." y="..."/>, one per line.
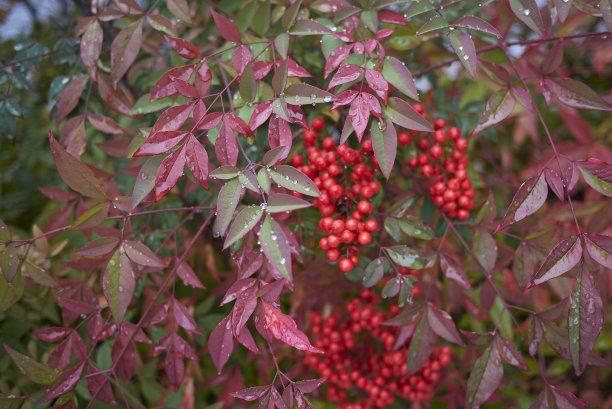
<point x="233" y="175"/>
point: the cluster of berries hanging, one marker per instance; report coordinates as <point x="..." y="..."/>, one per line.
<point x="363" y="368"/>
<point x="443" y="159"/>
<point x="346" y="179"/>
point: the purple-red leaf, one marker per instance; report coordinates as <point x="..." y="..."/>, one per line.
<point x="346" y="73"/>
<point x="283" y="328"/>
<point x="359" y="113"/>
<point x="124" y="49"/>
<point x="384" y="142"/>
<point x="169" y="172"/>
<point x="118" y="283"/>
<point x="337" y="57"/>
<point x="221" y="343"/>
<point x="453" y="271"/>
<point x="197" y="160"/>
<point x="396" y="73"/>
<point x="260" y="114"/>
<point x="91" y="44"/>
<point x="184" y="48"/>
<point x="498" y="107"/>
<point x="476" y="23"/>
<point x="530" y="196"/>
<point x="66" y="382"/>
<point x="227" y="29"/>
<point x="226" y="146"/>
<point x="173" y="118"/>
<point x="421" y="345"/>
<point x="141" y="255"/>
<point x="465" y="49"/>
<point x="251" y="394"/>
<point x="240" y="58"/>
<point x="442" y="324"/>
<point x="510" y="354"/>
<point x="402" y="114"/>
<point x="70" y="95"/>
<point x="160" y="142"/>
<point x="560" y="260"/>
<point x="554" y="181"/>
<point x="599" y="248"/>
<point x="576" y="94"/>
<point x="188" y="276"/>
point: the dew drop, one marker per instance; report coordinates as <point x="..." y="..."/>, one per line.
<point x="526" y="12"/>
<point x="466" y="57"/>
<point x="282" y="261"/>
<point x="327" y="98"/>
<point x="120" y="289"/>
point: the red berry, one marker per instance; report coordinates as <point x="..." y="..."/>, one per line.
<point x="333" y="254"/>
<point x="453" y="132"/>
<point x="364" y="207"/>
<point x="439" y="123"/>
<point x="345" y="265"/>
<point x="439" y="136"/>
<point x="403" y="138"/>
<point x="364" y="238"/>
<point x="436" y="151"/>
<point x="371" y="225"/>
<point x="318" y="124"/>
<point x="461" y="144"/>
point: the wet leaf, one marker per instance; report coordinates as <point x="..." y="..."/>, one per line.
<point x="530" y="196"/>
<point x="559" y="261"/>
<point x="118" y="284"/>
<point x="576" y="94"/>
<point x="227" y="29"/>
<point x="529" y="13"/>
<point x="274" y="245"/>
<point x="65" y="383"/>
<point x="485" y="249"/>
<point x="499" y="106"/>
<point x="227" y="201"/>
<point x="396" y="73"/>
<point x="465" y="49"/>
<point x="304" y="94"/>
<point x="221" y="343"/>
<point x="453" y="271"/>
<point x="283" y="328"/>
<point x="421" y="344"/>
<point x="384" y="142"/>
<point x="585" y="319"/>
<point x="281" y="202"/>
<point x="402" y="114"/>
<point x="124" y="49"/>
<point x="244" y="222"/>
<point x="599" y="248"/>
<point x="292" y="179"/>
<point x="485" y="377"/>
<point x="32" y="369"/>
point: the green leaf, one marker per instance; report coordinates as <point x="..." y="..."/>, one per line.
<point x="292" y="179"/>
<point x="384" y="142"/>
<point x="502" y="318"/>
<point x="374" y="271"/>
<point x="529" y="13"/>
<point x="243" y="223"/>
<point x="145" y="181"/>
<point x="396" y="73"/>
<point x="33" y="370"/>
<point x="406" y="257"/>
<point x="261" y="20"/>
<point x="92" y="217"/>
<point x="118" y="283"/>
<point x="10" y="292"/>
<point x="248" y="85"/>
<point x="305" y="94"/>
<point x="281" y="42"/>
<point x="144" y="105"/>
<point x="5" y="232"/>
<point x="414" y="227"/>
<point x="435" y="23"/>
<point x="485" y="249"/>
<point x="308" y="27"/>
<point x="485" y="377"/>
<point x="418" y="7"/>
<point x="281" y="202"/>
<point x="291" y="14"/>
<point x="465" y="49"/>
<point x="274" y="245"/>
<point x="370" y="19"/>
<point x="263" y="178"/>
<point x="225" y="172"/>
<point x="402" y="114"/>
<point x="227" y="201"/>
<point x="600" y="185"/>
<point x="391" y="288"/>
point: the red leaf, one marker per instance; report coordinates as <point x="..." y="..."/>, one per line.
<point x="237" y="124"/>
<point x="251" y="394"/>
<point x="377" y="83"/>
<point x="346" y="73"/>
<point x="64" y="384"/>
<point x="337" y="57"/>
<point x="183" y="317"/>
<point x="165" y="86"/>
<point x="197" y="160"/>
<point x="261" y="69"/>
<point x="184" y="48"/>
<point x="453" y="271"/>
<point x="295" y="70"/>
<point x="241" y="58"/>
<point x="227" y="29"/>
<point x="530" y="196"/>
<point x="124" y="49"/>
<point x="70" y="95"/>
<point x="238" y="287"/>
<point x="221" y="343"/>
<point x="442" y="324"/>
<point x="260" y="114"/>
<point x="392" y="17"/>
<point x="91" y="44"/>
<point x="100" y="386"/>
<point x="105" y="124"/>
<point x="599" y="247"/>
<point x="172" y="118"/>
<point x="344" y="98"/>
<point x="76" y="307"/>
<point x="283" y="328"/>
<point x="226" y="146"/>
<point x="554" y="181"/>
<point x="160" y="142"/>
<point x="169" y="172"/>
<point x="359" y="113"/>
<point x="189" y="277"/>
<point x="51" y="334"/>
<point x="245" y="305"/>
<point x="279" y="134"/>
<point x="209" y="121"/>
<point x="560" y="260"/>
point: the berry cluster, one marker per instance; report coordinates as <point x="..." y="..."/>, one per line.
<point x="443" y="159"/>
<point x="361" y="365"/>
<point x="345" y="177"/>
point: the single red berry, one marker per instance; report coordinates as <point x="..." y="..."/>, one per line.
<point x="439" y="123"/>
<point x="453" y="133"/>
<point x="439" y="136"/>
<point x="345" y="265"/>
<point x="364" y="207"/>
<point x="403" y="138"/>
<point x="364" y="238"/>
<point x="318" y="124"/>
<point x="371" y="225"/>
<point x="461" y="144"/>
<point x="333" y="254"/>
<point x="436" y="151"/>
